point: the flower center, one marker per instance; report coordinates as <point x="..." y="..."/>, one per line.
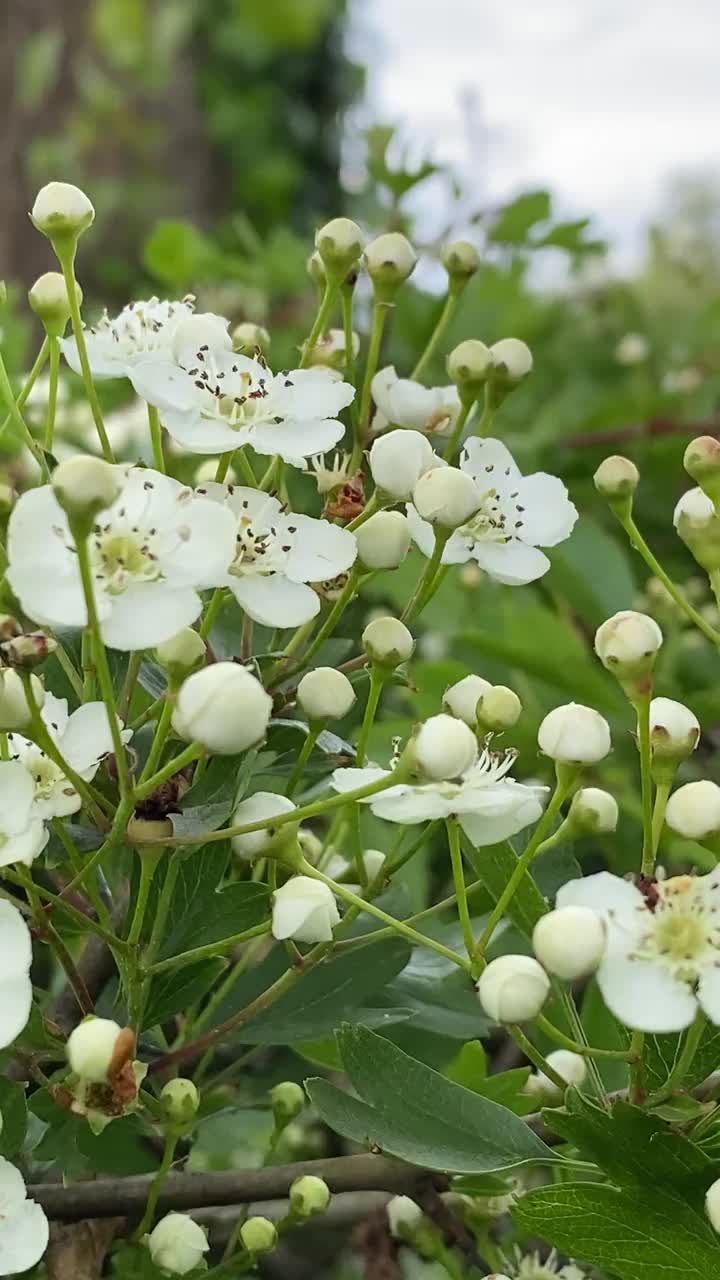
<point x="682" y="933"/>
<point x="236" y="396"/>
<point x="121" y="557"/>
<point x="490" y="522"/>
<point x="260" y="550"/>
<point x="141" y="326"/>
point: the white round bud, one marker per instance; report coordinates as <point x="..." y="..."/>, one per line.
<point x="398" y="459"/>
<point x="500" y="708"/>
<point x="697" y="524"/>
<point x="513" y="988"/>
<point x="574" y="734"/>
<point x="304" y="909"/>
<point x="248" y="337"/>
<point x="388" y="642"/>
<point x="446" y="496"/>
<point x="339" y="244"/>
<point x="712" y="1204"/>
<point x="383" y="541"/>
<point x="403" y="1215"/>
<point x="308" y="1196"/>
<point x="329" y="351"/>
<point x="84" y="486"/>
<point x="674" y="730"/>
<point x="62" y="211"/>
<point x="48" y="298"/>
<point x="702" y="462"/>
<point x="182" y="652"/>
<point x="693" y="811"/>
<point x="256" y="844"/>
<point x="90" y="1048"/>
<point x="461" y="260"/>
<point x="444" y="748"/>
<point x="224" y="707"/>
<point x="15" y="711"/>
<point x="325" y="694"/>
<point x="389" y="259"/>
<point x="570" y="942"/>
<point x="571" y="1066"/>
<point x="177" y="1244"/>
<point x="592" y="812"/>
<point x="461" y="699"/>
<point x="258" y="1235"/>
<point x="180" y="1099"/>
<point x="616" y="477"/>
<point x="469" y="366"/>
<point x="512" y="360"/>
<point x="628" y="643"/>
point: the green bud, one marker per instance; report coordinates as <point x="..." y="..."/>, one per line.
<point x="62" y="212"/>
<point x="387" y="642"/>
<point x="309" y="1196"/>
<point x="316" y="270"/>
<point x="512" y="362"/>
<point x="180" y="1100"/>
<point x="339" y="244"/>
<point x="288" y="1100"/>
<point x="699" y="527"/>
<point x="182" y="653"/>
<point x="616" y="480"/>
<point x="8" y="498"/>
<point x="28" y="651"/>
<point x="247" y="337"/>
<point x="258" y="1235"/>
<point x="702" y="462"/>
<point x="469" y="366"/>
<point x="461" y="260"/>
<point x="499" y="708"/>
<point x="48" y="298"/>
<point x="389" y="260"/>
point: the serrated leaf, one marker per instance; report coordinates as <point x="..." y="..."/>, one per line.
<point x="172" y="992"/>
<point x="236" y="908"/>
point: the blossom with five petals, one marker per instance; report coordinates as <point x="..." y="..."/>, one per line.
<point x="24" y="1230"/>
<point x="118" y="345"/>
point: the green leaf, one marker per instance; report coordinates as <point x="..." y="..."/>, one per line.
<point x="239" y="907"/>
<point x="172" y="992"/>
<point x="571" y="236"/>
<point x="177" y="253"/>
<point x="411" y="1111"/>
<point x="13" y="1109"/>
<point x="199" y="875"/>
<point x="517" y="218"/>
<point x="660" y="1053"/>
<point x="495" y="864"/>
<point x="469" y="1069"/>
<point x="120" y="1150"/>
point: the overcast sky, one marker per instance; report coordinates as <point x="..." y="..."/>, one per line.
<point x="602" y="100"/>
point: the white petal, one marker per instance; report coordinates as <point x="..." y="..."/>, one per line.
<point x="15" y="942"/>
<point x="410" y="404"/>
<point x="603" y="892"/>
<point x="292" y="440"/>
<point x="319" y="550"/>
<point x="16" y="796"/>
<point x="105" y="359"/>
<point x="548" y="516"/>
<point x="512" y="563"/>
<point x="23" y="1239"/>
<point x="262" y="508"/>
<point x="317" y="927"/>
<point x="490" y="462"/>
<point x="708" y="994"/>
<point x="15" y="1005"/>
<point x="643" y="995"/>
<point x="204" y="545"/>
<point x="146" y="615"/>
<point x="87" y="738"/>
<point x="202" y="435"/>
<point x="164" y="384"/>
<point x="50" y="599"/>
<point x="12" y="1189"/>
<point x="55" y="715"/>
<point x="457" y="550"/>
<point x="312" y="395"/>
<point x="273" y="601"/>
<point x="25" y="845"/>
<point x="406" y="804"/>
<point x="495" y="824"/>
<point x="353" y="779"/>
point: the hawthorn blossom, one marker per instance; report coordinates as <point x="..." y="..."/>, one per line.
<point x="406" y="403"/>
<point x="22" y="832"/>
<point x="277" y="553"/>
<point x="488" y="804"/>
<point x="150" y="553"/>
<point x="662" y="957"/>
<point x="24" y="1230"/>
<point x="15" y="984"/>
<point x="118" y="345"/>
<point x="516" y="515"/>
<point x="83" y="739"/>
<point x="212" y="400"/>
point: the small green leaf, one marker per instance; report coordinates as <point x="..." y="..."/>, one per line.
<point x="13" y="1109"/>
<point x="172" y="992"/>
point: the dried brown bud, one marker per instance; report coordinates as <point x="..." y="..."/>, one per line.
<point x="27" y="651"/>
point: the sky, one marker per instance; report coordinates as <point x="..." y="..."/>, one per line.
<point x="601" y="100"/>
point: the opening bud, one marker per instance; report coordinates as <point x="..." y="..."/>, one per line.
<point x="383" y="541"/>
<point x="512" y="362"/>
<point x="329" y="352"/>
<point x="461" y="260"/>
<point x="325" y="694"/>
<point x="571" y="1066"/>
<point x="403" y="1216"/>
<point x="469" y="366"/>
<point x="248" y="337"/>
<point x="84" y="487"/>
<point x="444" y="748"/>
<point x="304" y="909"/>
<point x="574" y="735"/>
<point x="309" y="1196"/>
<point x="693" y="811"/>
<point x="592" y="812"/>
<point x="224" y="707"/>
<point x="628" y="644"/>
<point x="182" y="653"/>
<point x="674" y="731"/>
<point x="177" y="1244"/>
<point x="513" y="989"/>
<point x="180" y="1100"/>
<point x="62" y="212"/>
<point x="339" y="244"/>
<point x="15" y="712"/>
<point x="258" y="1235"/>
<point x="91" y="1048"/>
<point x="461" y="699"/>
<point x="702" y="463"/>
<point x="389" y="260"/>
<point x="616" y="480"/>
<point x="446" y="496"/>
<point x="271" y="840"/>
<point x="26" y="652"/>
<point x="388" y="642"/>
<point x="699" y="527"/>
<point x="570" y="942"/>
<point x="49" y="300"/>
<point x="398" y="459"/>
<point x="499" y="709"/>
<point x="288" y="1100"/>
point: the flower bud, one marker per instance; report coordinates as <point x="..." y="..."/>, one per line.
<point x="304" y="909"/>
<point x="388" y="642"/>
<point x="574" y="734"/>
<point x="570" y="942"/>
<point x="461" y="699"/>
<point x="182" y="653"/>
<point x="26" y="652"/>
<point x="461" y="260"/>
<point x="383" y="541"/>
<point x="325" y="694"/>
<point x="329" y="351"/>
<point x="512" y="361"/>
<point x="446" y="496"/>
<point x="616" y="480"/>
<point x="469" y="365"/>
<point x="702" y="463"/>
<point x="308" y="1196"/>
<point x="674" y="730"/>
<point x="339" y="244"/>
<point x="693" y="811"/>
<point x="628" y="644"/>
<point x="48" y="298"/>
<point x="316" y="270"/>
<point x="62" y="211"/>
<point x="500" y="708"/>
<point x="571" y="1066"/>
<point x="288" y="1100"/>
<point x="513" y="989"/>
<point x="15" y="712"/>
<point x="398" y="459"/>
<point x="389" y="260"/>
<point x="592" y="812"/>
<point x="224" y="707"/>
<point x="699" y="527"/>
<point x="247" y="338"/>
<point x="444" y="747"/>
<point x="712" y="1204"/>
<point x="177" y="1244"/>
<point x="403" y="1216"/>
<point x="259" y="1235"/>
<point x="256" y="844"/>
<point x="85" y="486"/>
<point x="180" y="1100"/>
<point x="90" y="1048"/>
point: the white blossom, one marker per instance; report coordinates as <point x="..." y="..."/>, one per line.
<point x="260" y="805"/>
<point x="150" y="553"/>
<point x="118" y="346"/>
<point x="304" y="909"/>
<point x="22" y="831"/>
<point x="15" y="984"/>
<point x="516" y="516"/>
<point x="403" y="402"/>
<point x="62" y="209"/>
<point x="24" y="1230"/>
<point x="177" y="1244"/>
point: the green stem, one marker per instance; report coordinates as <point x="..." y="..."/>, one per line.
<point x="640" y="545"/>
<point x="637" y="1067"/>
<point x="171" y="1141"/>
<point x="191" y="752"/>
<point x="441" y="325"/>
<point x="326" y="629"/>
<point x="85" y="923"/>
<point x="377" y="326"/>
<point x="66" y="258"/>
<point x="162" y="730"/>
<point x="34" y="374"/>
<point x="346" y="300"/>
<point x="321" y="319"/>
<point x="642" y="710"/>
<point x="129" y="683"/>
<point x="8" y="395"/>
<point x="452" y="445"/>
<point x="76" y="861"/>
<point x="313" y="733"/>
<point x="412" y="607"/>
<point x="54" y="352"/>
<point x="377" y="683"/>
<point x="210" y="949"/>
<point x="87" y="663"/>
<point x="216" y="603"/>
<point x="662" y="795"/>
<point x="68" y="667"/>
<point x="172" y="871"/>
<point x="536" y="1057"/>
<point x="458" y="875"/>
<point x="148" y="866"/>
<point x="156" y="438"/>
<point x="52" y="937"/>
<point x="684" y="1060"/>
<point x="567" y="1002"/>
<point x="575" y="1046"/>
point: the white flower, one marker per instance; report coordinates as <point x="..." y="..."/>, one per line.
<point x="277" y="553"/>
<point x="15" y="984"/>
<point x="24" y="1230"/>
<point x="574" y="734"/>
<point x="513" y="988"/>
<point x="694" y="810"/>
<point x="527" y="1266"/>
<point x="260" y="805"/>
<point x="632" y="348"/>
<point x="444" y="748"/>
<point x="83" y="738"/>
<point x="405" y="403"/>
<point x="90" y="1048"/>
<point x="569" y="942"/>
<point x="150" y="552"/>
<point x="118" y="345"/>
<point x="212" y="400"/>
<point x="325" y="694"/>
<point x="516" y="515"/>
<point x="223" y="706"/>
<point x="304" y="909"/>
<point x="22" y="832"/>
<point x="177" y="1244"/>
<point x="663" y="947"/>
<point x="489" y="805"/>
<point x="462" y="698"/>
